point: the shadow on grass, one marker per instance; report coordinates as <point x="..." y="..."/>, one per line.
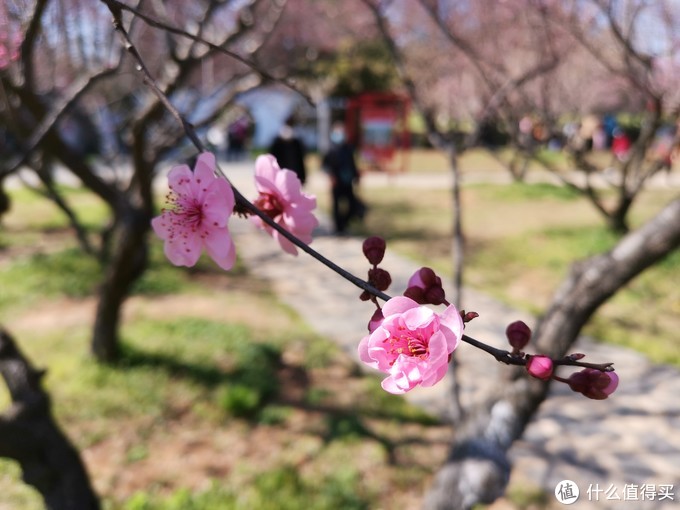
<point x="201" y="373"/>
<point x="258" y="381"/>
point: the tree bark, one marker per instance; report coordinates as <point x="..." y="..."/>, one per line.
<point x="477" y="468"/>
<point x="128" y="263"/>
<point x="30" y="436"/>
<point x="5" y="202"/>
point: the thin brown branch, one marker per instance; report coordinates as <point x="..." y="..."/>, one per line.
<point x="50" y="119"/>
<point x="117" y="7"/>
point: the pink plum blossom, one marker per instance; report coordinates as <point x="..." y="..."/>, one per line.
<point x="412" y="344"/>
<point x="199" y="207"/>
<point x="282" y="199"/>
<point x="540" y="367"/>
<point x="594" y="383"/>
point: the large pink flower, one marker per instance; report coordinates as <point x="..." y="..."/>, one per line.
<point x="200" y="205"/>
<point x="282" y="199"/>
<point x="412" y="344"/>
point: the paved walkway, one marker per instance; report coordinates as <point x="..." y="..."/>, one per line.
<point x="632" y="438"/>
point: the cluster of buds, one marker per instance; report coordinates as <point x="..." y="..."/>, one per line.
<point x="374" y="250"/>
<point x="412" y="344"/>
<point x="595" y="383"/>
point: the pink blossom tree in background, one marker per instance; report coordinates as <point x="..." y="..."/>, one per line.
<point x="185" y="53"/>
<point x="509" y="90"/>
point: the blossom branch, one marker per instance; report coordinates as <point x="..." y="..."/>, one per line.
<point x="510" y="358"/>
<point x="244" y="205"/>
<point x="116" y="9"/>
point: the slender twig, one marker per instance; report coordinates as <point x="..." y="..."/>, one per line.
<point x="117" y="7"/>
<point x="47" y="123"/>
<point x="509" y="358"/>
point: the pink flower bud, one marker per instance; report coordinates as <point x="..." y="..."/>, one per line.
<point x="594" y="383"/>
<point x="374" y="249"/>
<point x="540" y="367"/>
<point x="518" y="334"/>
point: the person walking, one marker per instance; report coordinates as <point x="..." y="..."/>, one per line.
<point x="341" y="166"/>
<point x="289" y="151"/>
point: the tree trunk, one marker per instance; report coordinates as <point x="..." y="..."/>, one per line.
<point x="128" y="263"/>
<point x="458" y="247"/>
<point x="5" y="202"/>
<point x="477" y="469"/>
<point x="617" y="220"/>
<point x="30" y="436"/>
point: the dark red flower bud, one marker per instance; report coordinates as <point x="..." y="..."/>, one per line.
<point x="428" y="277"/>
<point x="518" y="334"/>
<point x="374" y="249"/>
<point x="576" y="356"/>
<point x="416" y="294"/>
<point x="468" y="316"/>
<point x="376" y="320"/>
<point x="365" y="295"/>
<point x="379" y="278"/>
<point x="430" y="285"/>
<point x="435" y="295"/>
<point x="593" y="383"/>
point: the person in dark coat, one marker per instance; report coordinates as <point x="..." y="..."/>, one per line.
<point x="341" y="166"/>
<point x="289" y="151"/>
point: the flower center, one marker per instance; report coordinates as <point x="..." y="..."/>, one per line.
<point x="410" y="344"/>
<point x="186" y="214"/>
<point x="269" y="204"/>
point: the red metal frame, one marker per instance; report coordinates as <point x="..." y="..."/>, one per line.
<point x="375" y="123"/>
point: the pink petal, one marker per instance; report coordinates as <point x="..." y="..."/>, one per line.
<point x="218" y="203"/>
<point x="183" y="251"/>
<point x="435" y="374"/>
<point x="300" y="223"/>
<point x="404" y="376"/>
<point x="266" y="168"/>
<point x="398" y="304"/>
<point x="160" y="225"/>
<point x="180" y="180"/>
<point x="438" y="348"/>
<point x="220" y="247"/>
<point x="363" y="353"/>
<point x="452" y="320"/>
<point x="204" y="174"/>
<point x="418" y="318"/>
<point x="289" y="186"/>
<point x="285" y="244"/>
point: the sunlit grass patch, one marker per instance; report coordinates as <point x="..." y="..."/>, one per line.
<point x="276" y="489"/>
<point x="30" y="210"/>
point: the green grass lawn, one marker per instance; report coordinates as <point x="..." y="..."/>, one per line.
<point x="222" y="399"/>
